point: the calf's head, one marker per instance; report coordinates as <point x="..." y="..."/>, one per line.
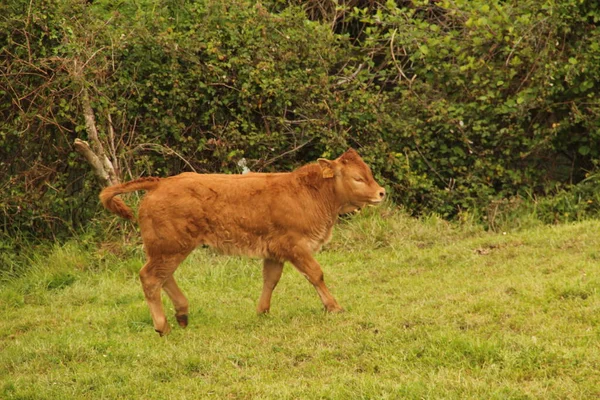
<point x="353" y="180"/>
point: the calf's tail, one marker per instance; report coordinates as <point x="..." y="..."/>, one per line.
<point x="118" y="206"/>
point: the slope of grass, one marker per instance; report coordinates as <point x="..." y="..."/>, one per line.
<point x="434" y="310"/>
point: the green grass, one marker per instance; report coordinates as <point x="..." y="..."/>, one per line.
<point x="433" y="310"/>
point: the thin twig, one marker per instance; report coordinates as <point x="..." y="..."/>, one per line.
<point x="430" y="166"/>
<point x="270" y="161"/>
<point x="111" y="143"/>
<point x="347" y="79"/>
<point x="164" y="149"/>
<point x="394" y="56"/>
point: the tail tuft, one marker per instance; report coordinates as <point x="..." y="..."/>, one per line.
<point x="118" y="206"/>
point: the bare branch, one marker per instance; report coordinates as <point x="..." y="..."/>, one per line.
<point x="95" y="155"/>
<point x="411" y="80"/>
<point x="83" y="148"/>
<point x="347" y="79"/>
<point x="97" y="147"/>
<point x="162" y="149"/>
<point x="112" y="147"/>
<point x="270" y="161"/>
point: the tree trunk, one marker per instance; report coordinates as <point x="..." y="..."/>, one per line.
<point x="94" y="153"/>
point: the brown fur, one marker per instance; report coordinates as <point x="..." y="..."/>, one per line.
<point x="277" y="217"/>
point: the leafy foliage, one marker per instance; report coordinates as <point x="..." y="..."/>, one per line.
<point x="455" y="104"/>
<point x="485" y="99"/>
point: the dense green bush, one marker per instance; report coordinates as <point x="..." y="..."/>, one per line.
<point x="455" y="104"/>
<point x="194" y="90"/>
<point x="483" y="99"/>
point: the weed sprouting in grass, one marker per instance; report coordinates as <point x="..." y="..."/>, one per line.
<point x="433" y="310"/>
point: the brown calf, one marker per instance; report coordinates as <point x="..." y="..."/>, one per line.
<point x="278" y="217"/>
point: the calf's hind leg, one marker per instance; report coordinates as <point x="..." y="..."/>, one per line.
<point x="153" y="276"/>
<point x="179" y="301"/>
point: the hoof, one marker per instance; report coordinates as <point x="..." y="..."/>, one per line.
<point x="182" y="320"/>
<point x="335" y="309"/>
<point x="262" y="311"/>
<point x="165" y="330"/>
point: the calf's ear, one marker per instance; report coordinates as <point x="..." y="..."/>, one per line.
<point x="327" y="167"/>
<point x="349" y="155"/>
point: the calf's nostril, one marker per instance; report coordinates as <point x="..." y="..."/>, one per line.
<point x="382" y="194"/>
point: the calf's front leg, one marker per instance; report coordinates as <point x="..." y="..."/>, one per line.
<point x="272" y="270"/>
<point x="310" y="268"/>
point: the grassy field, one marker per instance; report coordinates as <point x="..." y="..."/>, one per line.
<point x="433" y="310"/>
